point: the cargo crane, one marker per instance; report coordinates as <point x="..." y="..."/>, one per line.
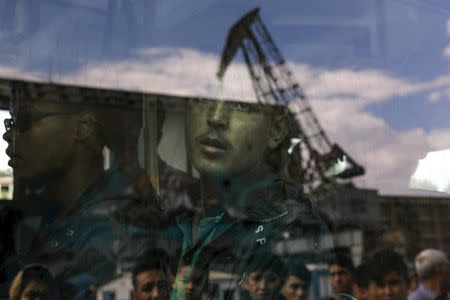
<point x="274" y="83"/>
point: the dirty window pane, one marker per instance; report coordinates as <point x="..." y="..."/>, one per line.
<point x="224" y="150"/>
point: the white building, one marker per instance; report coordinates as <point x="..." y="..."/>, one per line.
<point x="119" y="288"/>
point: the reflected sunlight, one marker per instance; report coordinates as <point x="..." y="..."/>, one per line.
<point x="432" y="172"/>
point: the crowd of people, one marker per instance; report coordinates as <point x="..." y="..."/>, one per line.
<point x="73" y="226"/>
<point x="386" y="275"/>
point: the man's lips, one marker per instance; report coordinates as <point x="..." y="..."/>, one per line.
<point x="213" y="144"/>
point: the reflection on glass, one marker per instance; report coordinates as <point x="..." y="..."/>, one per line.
<point x="432" y="172"/>
<point x="80" y="221"/>
<point x="103" y="177"/>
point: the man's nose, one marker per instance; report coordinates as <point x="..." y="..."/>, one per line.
<point x="386" y="290"/>
<point x="154" y="293"/>
<point x="262" y="284"/>
<point x="218" y="115"/>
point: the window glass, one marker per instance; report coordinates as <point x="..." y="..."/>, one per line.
<point x="224" y="150"/>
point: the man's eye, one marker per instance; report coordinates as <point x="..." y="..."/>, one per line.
<point x="258" y="277"/>
<point x="148" y="287"/>
<point x="241" y="106"/>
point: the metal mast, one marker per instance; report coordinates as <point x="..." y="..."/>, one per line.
<point x="274" y="83"/>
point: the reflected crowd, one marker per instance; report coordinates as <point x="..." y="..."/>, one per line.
<point x="235" y="223"/>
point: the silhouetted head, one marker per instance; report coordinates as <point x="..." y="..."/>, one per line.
<point x="47" y="136"/>
<point x="33" y="282"/>
<point x="152" y="276"/>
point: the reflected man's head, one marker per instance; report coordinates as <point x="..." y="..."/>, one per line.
<point x="33" y="282"/>
<point x="341" y="274"/>
<point x="231" y="137"/>
<point x="192" y="281"/>
<point x="390" y="273"/>
<point x="266" y="273"/>
<point x="44" y="137"/>
<point x="296" y="284"/>
<point x="364" y="285"/>
<point x="433" y="268"/>
<point x="263" y="285"/>
<point x="152" y="276"/>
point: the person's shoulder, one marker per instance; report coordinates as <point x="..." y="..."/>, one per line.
<point x="130" y="198"/>
<point x="173" y="178"/>
<point x="415" y="295"/>
<point x="419" y="294"/>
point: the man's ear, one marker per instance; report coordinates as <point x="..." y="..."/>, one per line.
<point x="279" y="131"/>
<point x="85" y="126"/>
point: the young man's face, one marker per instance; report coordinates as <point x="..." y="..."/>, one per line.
<point x="191" y="283"/>
<point x="152" y="285"/>
<point x="360" y="292"/>
<point x="263" y="285"/>
<point x="43" y="148"/>
<point x="393" y="287"/>
<point x="371" y="292"/>
<point x="294" y="288"/>
<point x="227" y="138"/>
<point x="341" y="279"/>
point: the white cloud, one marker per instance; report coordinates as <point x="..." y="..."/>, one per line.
<point x="14" y="72"/>
<point x="433" y="172"/>
<point x="446" y="51"/>
<point x="172" y="71"/>
<point x="339" y="98"/>
<point x="388" y="156"/>
<point x="364" y="86"/>
<point x="438" y="89"/>
<point x="448" y="27"/>
<point x="439" y="139"/>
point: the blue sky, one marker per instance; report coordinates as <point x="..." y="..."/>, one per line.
<point x="376" y="71"/>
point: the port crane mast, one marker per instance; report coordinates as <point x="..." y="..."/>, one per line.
<point x="274" y="83"/>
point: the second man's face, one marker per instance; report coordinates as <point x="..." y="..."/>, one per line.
<point x="227" y="137"/>
<point x="45" y="147"/>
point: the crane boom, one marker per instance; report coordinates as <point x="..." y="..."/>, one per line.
<point x="274" y="83"/>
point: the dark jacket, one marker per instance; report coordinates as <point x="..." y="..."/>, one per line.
<point x="103" y="233"/>
<point x="226" y="244"/>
